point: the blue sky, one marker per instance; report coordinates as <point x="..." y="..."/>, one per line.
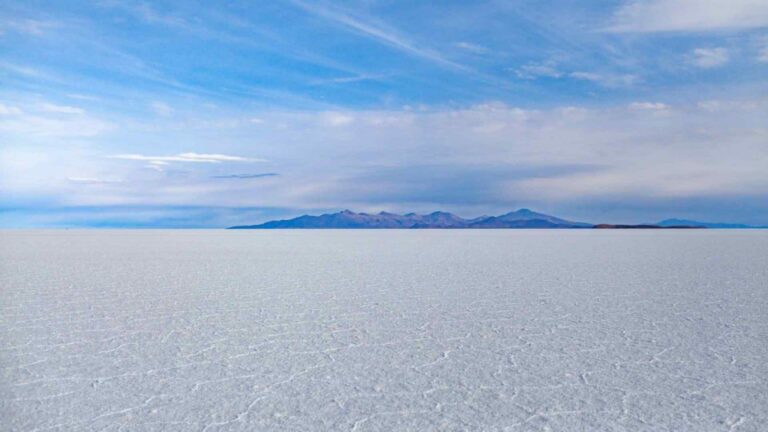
<point x="178" y="113"/>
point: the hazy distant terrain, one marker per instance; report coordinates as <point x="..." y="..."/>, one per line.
<point x="516" y="330"/>
<point x="522" y="218"/>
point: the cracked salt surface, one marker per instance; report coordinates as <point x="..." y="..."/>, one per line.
<point x="384" y="330"/>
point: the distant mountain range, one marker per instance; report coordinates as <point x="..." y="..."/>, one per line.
<point x="522" y="218"/>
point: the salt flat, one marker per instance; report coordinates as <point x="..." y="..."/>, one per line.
<point x="498" y="330"/>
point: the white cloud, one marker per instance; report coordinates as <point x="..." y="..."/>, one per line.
<point x="186" y="157"/>
<point x="762" y="52"/>
<point x="607" y="80"/>
<point x="338" y="119"/>
<point x="152" y="16"/>
<point x="27" y="26"/>
<point x="689" y="15"/>
<point x="708" y="58"/>
<point x="710" y="105"/>
<point x="549" y="69"/>
<point x="349" y="79"/>
<point x="9" y="110"/>
<point x="656" y="106"/>
<point x="729" y="106"/>
<point x="23" y="70"/>
<point x="91" y="180"/>
<point x="82" y="96"/>
<point x="471" y="47"/>
<point x="56" y="126"/>
<point x="538" y="70"/>
<point x="61" y="109"/>
<point x="161" y="108"/>
<point x="157" y="163"/>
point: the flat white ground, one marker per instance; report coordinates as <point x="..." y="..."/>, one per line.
<point x="384" y="330"/>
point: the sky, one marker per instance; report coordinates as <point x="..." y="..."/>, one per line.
<point x="211" y="114"/>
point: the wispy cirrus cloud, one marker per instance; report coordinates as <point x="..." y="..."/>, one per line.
<point x="26" y="26"/>
<point x="472" y="47"/>
<point x="378" y="31"/>
<point x="349" y="79"/>
<point x="61" y="109"/>
<point x="550" y="69"/>
<point x="371" y="29"/>
<point x="161" y="108"/>
<point x="23" y="70"/>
